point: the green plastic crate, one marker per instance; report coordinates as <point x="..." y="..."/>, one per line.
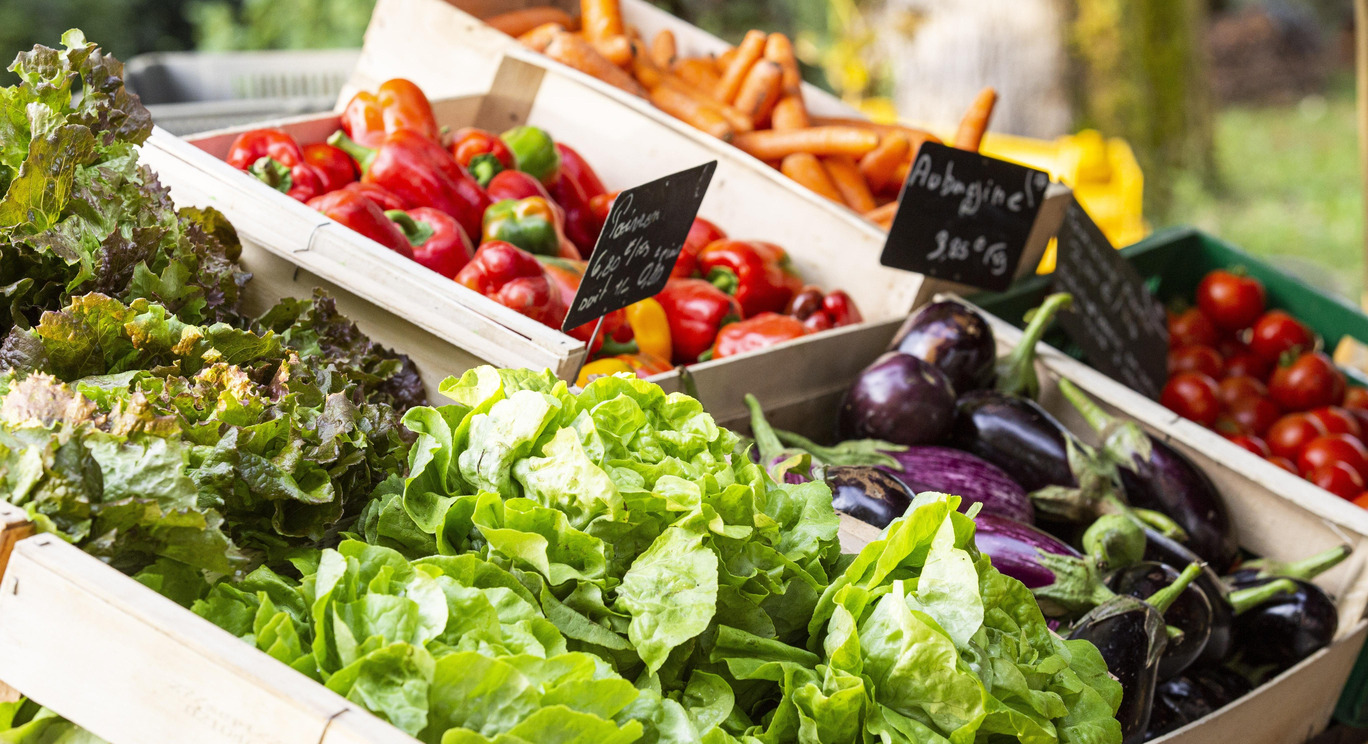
<point x="1173" y="262"/>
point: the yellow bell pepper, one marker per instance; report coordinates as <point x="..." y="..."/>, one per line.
<point x="602" y="368"/>
<point x="650" y="328"/>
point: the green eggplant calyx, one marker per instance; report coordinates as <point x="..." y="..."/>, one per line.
<point x="1304" y="569"/>
<point x="1077" y="586"/>
<point x="849" y="452"/>
<point x="1244" y="600"/>
<point x="1016" y="371"/>
<point x="766" y="442"/>
<point x="1164" y="598"/>
<point x="1115" y="541"/>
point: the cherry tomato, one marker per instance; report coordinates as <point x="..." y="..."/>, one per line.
<point x="1284" y="463"/>
<point x="1276" y="333"/>
<point x="1289" y="434"/>
<point x="1191" y="328"/>
<point x="1253" y="415"/>
<point x="1202" y="359"/>
<point x="1338" y="421"/>
<point x="1309" y="382"/>
<point x="1253" y="444"/>
<point x="1232" y="389"/>
<point x="1192" y="395"/>
<point x="1356" y="399"/>
<point x="1233" y="302"/>
<point x="1337" y="478"/>
<point x="1361" y="500"/>
<point x="1245" y="363"/>
<point x="1330" y="448"/>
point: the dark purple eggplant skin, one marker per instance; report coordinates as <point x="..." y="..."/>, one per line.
<point x="1130" y="636"/>
<point x="1285" y="629"/>
<point x="900" y="399"/>
<point x="1173" y="485"/>
<point x="1015" y="434"/>
<point x="868" y="494"/>
<point x="1190" y="613"/>
<point x="972" y="478"/>
<point x="1173" y="553"/>
<point x="954" y="338"/>
<point x="1222" y="685"/>
<point x="1015" y="548"/>
<point x="1178" y="702"/>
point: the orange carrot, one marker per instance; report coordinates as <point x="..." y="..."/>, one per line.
<point x="538" y="38"/>
<point x="807" y="170"/>
<point x="518" y="22"/>
<point x="975" y="122"/>
<point x="644" y="67"/>
<point x="739" y="122"/>
<point x="691" y="110"/>
<point x="747" y="52"/>
<point x="883" y="216"/>
<point x="601" y="19"/>
<point x="722" y="61"/>
<point x="774" y="144"/>
<point x="574" y="51"/>
<point x="779" y="49"/>
<point x="790" y="113"/>
<point x="663" y="49"/>
<point x="760" y="91"/>
<point x="615" y="49"/>
<point x="849" y="182"/>
<point x="699" y="73"/>
<point x="881" y="164"/>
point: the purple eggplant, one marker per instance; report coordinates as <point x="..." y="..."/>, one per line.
<point x="1016" y="435"/>
<point x="1016" y="374"/>
<point x="1286" y="628"/>
<point x="973" y="479"/>
<point x="956" y="339"/>
<point x="1177" y="702"/>
<point x="1158" y="477"/>
<point x="1189" y="613"/>
<point x="900" y="399"/>
<point x="868" y="494"/>
<point x="1064" y="581"/>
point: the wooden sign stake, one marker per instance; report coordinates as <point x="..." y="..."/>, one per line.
<point x="588" y="349"/>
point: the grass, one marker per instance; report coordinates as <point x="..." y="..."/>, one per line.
<point x="1290" y="188"/>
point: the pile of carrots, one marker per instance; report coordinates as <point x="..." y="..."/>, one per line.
<point x="750" y="96"/>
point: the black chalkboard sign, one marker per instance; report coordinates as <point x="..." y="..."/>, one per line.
<point x="1119" y="325"/>
<point x="640" y="243"/>
<point x="964" y="217"/>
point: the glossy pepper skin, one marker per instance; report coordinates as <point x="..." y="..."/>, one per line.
<point x="578" y="171"/>
<point x="697" y="310"/>
<point x="533" y="224"/>
<point x="422" y="174"/>
<point x="335" y="166"/>
<point x="513" y="278"/>
<point x="278" y="161"/>
<point x="701" y="234"/>
<point x="567" y="274"/>
<point x="650" y="328"/>
<point x="364" y="216"/>
<point x="756" y="272"/>
<point x="397" y="104"/>
<point x="758" y="332"/>
<point x="534" y="152"/>
<point x="378" y="194"/>
<point x="438" y="241"/>
<point x="582" y="226"/>
<point x="481" y="153"/>
<point x="513" y="184"/>
<point x="641" y="365"/>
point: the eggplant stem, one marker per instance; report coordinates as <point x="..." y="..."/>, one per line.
<point x="1244" y="600"/>
<point x="769" y="444"/>
<point x="1164" y="598"/>
<point x="1016" y="371"/>
<point x="1092" y="413"/>
<point x="1304" y="569"/>
<point x="1161" y="523"/>
<point x="849" y="452"/>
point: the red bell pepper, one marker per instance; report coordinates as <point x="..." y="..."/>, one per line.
<point x="701" y="234"/>
<point x="378" y="194"/>
<point x="335" y="166"/>
<point x="697" y="310"/>
<point x="277" y="160"/>
<point x="765" y="329"/>
<point x="579" y="172"/>
<point x="398" y="104"/>
<point x="513" y="278"/>
<point x="820" y="311"/>
<point x="438" y="241"/>
<point x="601" y="205"/>
<point x="364" y="216"/>
<point x="567" y="275"/>
<point x="757" y="273"/>
<point x="422" y="174"/>
<point x="512" y="184"/>
<point x="482" y="153"/>
<point x="582" y="227"/>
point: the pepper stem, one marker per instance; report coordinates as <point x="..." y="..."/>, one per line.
<point x="769" y="445"/>
<point x="849" y="452"/>
<point x="273" y="173"/>
<point x="484" y="167"/>
<point x="417" y="232"/>
<point x="364" y="156"/>
<point x="1164" y="598"/>
<point x="1304" y="569"/>
<point x="1244" y="600"/>
<point x="1016" y="371"/>
<point x="724" y="279"/>
<point x="614" y="348"/>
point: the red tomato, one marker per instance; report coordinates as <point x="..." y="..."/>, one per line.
<point x="1338" y="421"/>
<point x="1191" y="328"/>
<point x="1337" y="478"/>
<point x="1192" y="395"/>
<point x="1233" y="302"/>
<point x="1246" y="363"/>
<point x="1253" y="444"/>
<point x="1254" y="415"/>
<point x="1202" y="359"/>
<point x="1361" y="500"/>
<point x="1284" y="463"/>
<point x="1322" y="451"/>
<point x="1356" y="399"/>
<point x="1309" y="382"/>
<point x="1276" y="333"/>
<point x="1232" y="389"/>
<point x="1289" y="434"/>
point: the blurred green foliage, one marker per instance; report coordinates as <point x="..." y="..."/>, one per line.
<point x="221" y="25"/>
<point x="122" y="27"/>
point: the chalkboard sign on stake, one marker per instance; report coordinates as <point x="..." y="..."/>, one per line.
<point x="964" y="217"/>
<point x="1115" y="319"/>
<point x="639" y="245"/>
